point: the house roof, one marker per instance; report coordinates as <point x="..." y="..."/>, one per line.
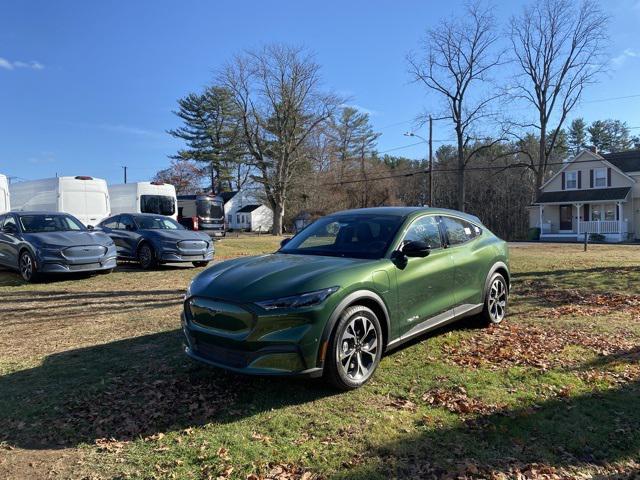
<point x="591" y="195"/>
<point x="226" y="196"/>
<point x="628" y="161"/>
<point x="248" y="208"/>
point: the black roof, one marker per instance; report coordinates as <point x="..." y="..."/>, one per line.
<point x="591" y="195"/>
<point x="628" y="161"/>
<point x="248" y="208"/>
<point x="226" y="196"/>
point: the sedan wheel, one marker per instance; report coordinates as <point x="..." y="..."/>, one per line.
<point x="355" y="348"/>
<point x="146" y="257"/>
<point x="27" y="267"/>
<point x="496" y="300"/>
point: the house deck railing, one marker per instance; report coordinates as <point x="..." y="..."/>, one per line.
<point x="595" y="226"/>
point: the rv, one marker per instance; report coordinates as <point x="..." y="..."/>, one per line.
<point x="144" y="197"/>
<point x="5" y="205"/>
<point x="86" y="198"/>
<point x="202" y="212"/>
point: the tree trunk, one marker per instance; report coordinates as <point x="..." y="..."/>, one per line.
<point x="278" y="218"/>
<point x="542" y="156"/>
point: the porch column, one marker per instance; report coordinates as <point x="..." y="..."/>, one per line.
<point x="619" y="212"/>
<point x="578" y="208"/>
<point x="540" y="212"/>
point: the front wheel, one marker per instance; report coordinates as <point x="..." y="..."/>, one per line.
<point x="27" y="267"/>
<point x="147" y="257"/>
<point x="200" y="264"/>
<point x="495" y="302"/>
<point x="355" y="348"/>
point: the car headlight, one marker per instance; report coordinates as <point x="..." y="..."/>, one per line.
<point x="298" y="301"/>
<point x="187" y="294"/>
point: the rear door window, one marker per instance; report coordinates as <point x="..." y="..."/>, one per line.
<point x="111" y="223"/>
<point x="425" y="229"/>
<point x="459" y="231"/>
<point x="126" y="223"/>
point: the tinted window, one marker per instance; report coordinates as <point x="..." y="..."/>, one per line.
<point x="9" y="220"/>
<point x="2" y="217"/>
<point x="209" y="209"/>
<point x="126" y="223"/>
<point x="425" y="230"/>
<point x="48" y="223"/>
<point x="158" y="204"/>
<point x="111" y="223"/>
<point x="356" y="236"/>
<point x="459" y="231"/>
<point x="158" y="223"/>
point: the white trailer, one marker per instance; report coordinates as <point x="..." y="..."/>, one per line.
<point x="5" y="204"/>
<point x="144" y="197"/>
<point x="86" y="198"/>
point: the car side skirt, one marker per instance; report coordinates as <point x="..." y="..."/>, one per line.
<point x="437" y="321"/>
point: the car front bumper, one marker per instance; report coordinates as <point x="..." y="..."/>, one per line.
<point x="176" y="256"/>
<point x="242" y="339"/>
<point x="60" y="266"/>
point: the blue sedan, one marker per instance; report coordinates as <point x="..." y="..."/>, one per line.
<point x="154" y="239"/>
<point x="41" y="242"/>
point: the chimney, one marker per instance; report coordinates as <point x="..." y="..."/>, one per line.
<point x="594" y="149"/>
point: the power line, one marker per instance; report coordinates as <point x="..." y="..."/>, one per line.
<point x="444" y="170"/>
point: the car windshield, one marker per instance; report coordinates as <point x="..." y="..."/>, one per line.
<point x="49" y="223"/>
<point x="158" y="223"/>
<point x="353" y="236"/>
<point x="209" y="209"/>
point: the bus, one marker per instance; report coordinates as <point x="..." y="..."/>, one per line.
<point x="202" y="212"/>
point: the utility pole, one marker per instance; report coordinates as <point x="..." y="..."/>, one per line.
<point x="430" y="161"/>
<point x="125" y="173"/>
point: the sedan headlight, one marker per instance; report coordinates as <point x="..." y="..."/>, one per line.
<point x="298" y="301"/>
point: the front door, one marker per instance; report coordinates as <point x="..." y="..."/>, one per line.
<point x="566" y="217"/>
<point x="424" y="284"/>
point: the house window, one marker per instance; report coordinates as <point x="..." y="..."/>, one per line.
<point x="238" y="218"/>
<point x="230" y="218"/>
<point x="571" y="180"/>
<point x="600" y="177"/>
<point x="609" y="212"/>
<point x="596" y="211"/>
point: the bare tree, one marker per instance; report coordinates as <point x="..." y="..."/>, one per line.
<point x="559" y="49"/>
<point x="279" y="100"/>
<point x="457" y="57"/>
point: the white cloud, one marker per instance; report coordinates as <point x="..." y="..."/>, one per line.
<point x="9" y="65"/>
<point x="619" y="60"/>
<point x="129" y="130"/>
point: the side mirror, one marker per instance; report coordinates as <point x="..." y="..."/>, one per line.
<point x="9" y="229"/>
<point x="284" y="241"/>
<point x="130" y="228"/>
<point x="415" y="248"/>
<point x="90" y="227"/>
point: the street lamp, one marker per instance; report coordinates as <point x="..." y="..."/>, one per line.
<point x="430" y="151"/>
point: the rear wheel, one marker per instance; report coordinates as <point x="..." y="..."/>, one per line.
<point x="355" y="348"/>
<point x="495" y="302"/>
<point x="27" y="267"/>
<point x="147" y="257"/>
<point x="200" y="264"/>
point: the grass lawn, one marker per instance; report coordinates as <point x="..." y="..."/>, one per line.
<point x="93" y="384"/>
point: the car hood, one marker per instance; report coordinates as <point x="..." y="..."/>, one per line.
<point x="252" y="279"/>
<point x="176" y="235"/>
<point x="68" y="239"/>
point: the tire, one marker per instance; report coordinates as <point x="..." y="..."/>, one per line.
<point x="200" y="264"/>
<point x="495" y="300"/>
<point x="358" y="331"/>
<point x="27" y="267"/>
<point x="147" y="257"/>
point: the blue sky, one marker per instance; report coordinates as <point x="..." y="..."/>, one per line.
<point x="86" y="87"/>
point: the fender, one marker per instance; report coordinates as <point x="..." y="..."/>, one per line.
<point x="335" y="315"/>
<point x="493" y="269"/>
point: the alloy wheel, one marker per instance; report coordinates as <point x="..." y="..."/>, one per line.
<point x="497" y="300"/>
<point x="145" y="257"/>
<point x="358" y="348"/>
<point x="26" y="266"/>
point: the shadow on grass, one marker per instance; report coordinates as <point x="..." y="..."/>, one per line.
<point x="128" y="389"/>
<point x="592" y="429"/>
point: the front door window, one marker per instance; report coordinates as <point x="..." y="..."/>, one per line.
<point x="566" y="217"/>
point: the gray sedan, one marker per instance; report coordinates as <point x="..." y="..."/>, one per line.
<point x="155" y="239"/>
<point x="43" y="242"/>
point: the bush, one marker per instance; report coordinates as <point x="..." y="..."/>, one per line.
<point x="596" y="237"/>
<point x="533" y="234"/>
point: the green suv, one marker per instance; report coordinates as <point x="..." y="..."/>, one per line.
<point x="344" y="290"/>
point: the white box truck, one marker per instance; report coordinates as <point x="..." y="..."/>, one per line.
<point x="5" y="204"/>
<point x="86" y="198"/>
<point x="144" y="197"/>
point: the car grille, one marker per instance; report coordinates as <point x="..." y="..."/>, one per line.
<point x="192" y="245"/>
<point x="84" y="266"/>
<point x="226" y="356"/>
<point x="222" y="317"/>
<point x="84" y="252"/>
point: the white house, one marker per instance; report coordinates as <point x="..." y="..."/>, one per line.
<point x="244" y="211"/>
<point x="594" y="194"/>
